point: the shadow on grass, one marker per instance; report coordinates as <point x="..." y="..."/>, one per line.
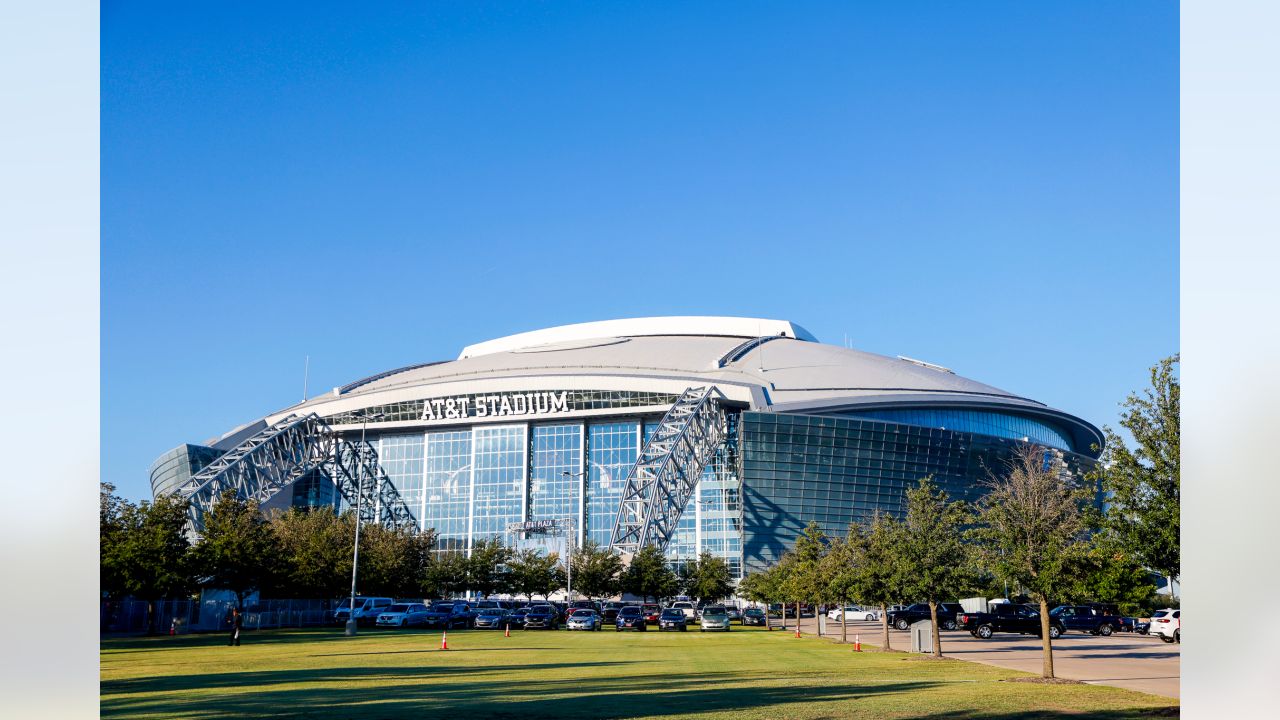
<point x="264" y="678"/>
<point x="152" y="643"/>
<point x="1132" y="714"/>
<point x="611" y="697"/>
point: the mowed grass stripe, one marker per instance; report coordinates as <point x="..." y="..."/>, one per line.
<point x="747" y="673"/>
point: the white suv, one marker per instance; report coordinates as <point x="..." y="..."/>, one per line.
<point x="1168" y="625"/>
<point x="689" y="610"/>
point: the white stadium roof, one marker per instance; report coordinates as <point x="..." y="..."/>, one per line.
<point x="769" y="365"/>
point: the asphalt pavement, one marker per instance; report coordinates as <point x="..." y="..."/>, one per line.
<point x="1126" y="660"/>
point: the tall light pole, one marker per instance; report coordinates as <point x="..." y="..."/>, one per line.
<point x="571" y="539"/>
<point x="355" y="553"/>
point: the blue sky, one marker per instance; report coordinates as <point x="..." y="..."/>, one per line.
<point x="988" y="186"/>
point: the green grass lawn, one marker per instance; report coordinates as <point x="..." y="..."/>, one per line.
<point x="539" y="674"/>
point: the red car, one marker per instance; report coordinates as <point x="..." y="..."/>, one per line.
<point x="651" y="612"/>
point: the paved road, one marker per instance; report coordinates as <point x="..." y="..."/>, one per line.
<point x="1135" y="662"/>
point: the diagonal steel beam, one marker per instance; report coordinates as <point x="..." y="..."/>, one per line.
<point x="662" y="480"/>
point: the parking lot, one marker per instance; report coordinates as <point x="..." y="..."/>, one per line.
<point x="1125" y="660"/>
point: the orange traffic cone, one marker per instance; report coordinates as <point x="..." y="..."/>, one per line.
<point x="857" y="643"/>
<point x="444" y="640"/>
<point x="797" y="629"/>
<point x="508" y="632"/>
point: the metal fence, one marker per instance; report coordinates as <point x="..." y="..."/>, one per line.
<point x="184" y="616"/>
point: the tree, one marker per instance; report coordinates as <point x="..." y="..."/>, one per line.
<point x="649" y="576"/>
<point x="110" y="532"/>
<point x="446" y="575"/>
<point x="533" y="573"/>
<point x="239" y="551"/>
<point x="804" y="580"/>
<point x="393" y="562"/>
<point x="1144" y="484"/>
<point x="488" y="567"/>
<point x="596" y="570"/>
<point x="145" y="553"/>
<point x="840" y="570"/>
<point x="1112" y="575"/>
<point x="711" y="578"/>
<point x="879" y="581"/>
<point x="762" y="587"/>
<point x="315" y="549"/>
<point x="934" y="562"/>
<point x="1033" y="531"/>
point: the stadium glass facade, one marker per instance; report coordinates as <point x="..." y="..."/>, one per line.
<point x="469" y="485"/>
<point x="774" y="474"/>
<point x="836" y="470"/>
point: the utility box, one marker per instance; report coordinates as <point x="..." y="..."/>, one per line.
<point x="922" y="636"/>
<point x="974" y="605"/>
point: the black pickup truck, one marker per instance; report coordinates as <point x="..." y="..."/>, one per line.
<point x="902" y="619"/>
<point x="1093" y="619"/>
<point x="1007" y="617"/>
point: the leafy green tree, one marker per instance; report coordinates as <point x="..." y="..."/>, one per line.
<point x="840" y="570"/>
<point x="934" y="562"/>
<point x="488" y="567"/>
<point x="446" y="575"/>
<point x="804" y="581"/>
<point x="110" y="534"/>
<point x="533" y="573"/>
<point x="711" y="578"/>
<point x="766" y="587"/>
<point x="1033" y="531"/>
<point x="878" y="577"/>
<point x="649" y="576"/>
<point x="393" y="562"/>
<point x="239" y="551"/>
<point x="596" y="570"/>
<point x="1112" y="575"/>
<point x="315" y="550"/>
<point x="146" y="553"/>
<point x="1144" y="484"/>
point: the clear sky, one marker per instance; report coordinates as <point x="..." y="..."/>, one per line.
<point x="988" y="186"/>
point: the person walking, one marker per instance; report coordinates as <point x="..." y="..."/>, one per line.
<point x="237" y="622"/>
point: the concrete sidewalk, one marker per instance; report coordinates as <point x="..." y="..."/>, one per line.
<point x="1134" y="662"/>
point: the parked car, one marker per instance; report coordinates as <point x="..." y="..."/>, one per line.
<point x="449" y="614"/>
<point x="630" y="617"/>
<point x="672" y="619"/>
<point x="1084" y="618"/>
<point x="852" y="612"/>
<point x="584" y="619"/>
<point x="403" y="615"/>
<point x="753" y="616"/>
<point x="947" y="612"/>
<point x="367" y="610"/>
<point x="685" y="607"/>
<point x="585" y="605"/>
<point x="542" y="617"/>
<point x="609" y="611"/>
<point x="492" y="618"/>
<point x="776" y="610"/>
<point x="1007" y="617"/>
<point x="651" y="612"/>
<point x="1167" y="624"/>
<point x="714" y="617"/>
<point x="516" y="618"/>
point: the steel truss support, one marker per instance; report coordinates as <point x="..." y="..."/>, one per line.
<point x="283" y="453"/>
<point x="663" y="478"/>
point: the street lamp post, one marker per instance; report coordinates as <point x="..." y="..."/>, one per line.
<point x="571" y="539"/>
<point x="355" y="553"/>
